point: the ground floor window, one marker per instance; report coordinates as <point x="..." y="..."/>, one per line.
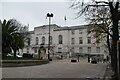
<point x="98" y="49"/>
<point x="59" y="50"/>
<point x="80" y="49"/>
<point x="35" y="50"/>
<point x="89" y="49"/>
<point x="27" y="50"/>
<point x="72" y="49"/>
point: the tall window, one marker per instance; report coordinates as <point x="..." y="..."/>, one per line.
<point x="29" y="41"/>
<point x="80" y="31"/>
<point x="43" y="40"/>
<point x="72" y="31"/>
<point x="80" y="49"/>
<point x="27" y="50"/>
<point x="37" y="40"/>
<point x="35" y="50"/>
<point x="73" y="41"/>
<point x="80" y="40"/>
<point x="89" y="49"/>
<point x="72" y="49"/>
<point x="88" y="31"/>
<point x="50" y="39"/>
<point x="89" y="40"/>
<point x="60" y="39"/>
<point x="98" y="49"/>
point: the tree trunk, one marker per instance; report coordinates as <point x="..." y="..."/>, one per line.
<point x="14" y="53"/>
<point x="115" y="37"/>
<point x="108" y="43"/>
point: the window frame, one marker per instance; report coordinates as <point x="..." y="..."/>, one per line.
<point x="60" y="39"/>
<point x="89" y="40"/>
<point x="80" y="40"/>
<point x="37" y="40"/>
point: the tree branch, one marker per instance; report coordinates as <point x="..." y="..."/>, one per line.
<point x="117" y="6"/>
<point x="119" y="16"/>
<point x="106" y="31"/>
<point x="97" y="2"/>
<point x="97" y="5"/>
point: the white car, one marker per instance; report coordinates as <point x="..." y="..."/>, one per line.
<point x="9" y="55"/>
<point x="19" y="56"/>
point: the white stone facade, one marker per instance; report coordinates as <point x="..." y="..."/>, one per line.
<point x="74" y="40"/>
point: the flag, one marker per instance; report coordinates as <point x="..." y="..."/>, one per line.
<point x="65" y="18"/>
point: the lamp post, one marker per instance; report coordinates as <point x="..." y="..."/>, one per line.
<point x="49" y="15"/>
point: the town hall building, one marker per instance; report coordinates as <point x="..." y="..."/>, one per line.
<point x="68" y="39"/>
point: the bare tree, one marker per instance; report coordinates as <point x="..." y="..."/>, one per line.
<point x="114" y="9"/>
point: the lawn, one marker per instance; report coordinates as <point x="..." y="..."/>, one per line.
<point x="19" y="62"/>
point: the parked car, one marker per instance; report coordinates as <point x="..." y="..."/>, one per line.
<point x="19" y="56"/>
<point x="26" y="55"/>
<point x="94" y="60"/>
<point x="11" y="55"/>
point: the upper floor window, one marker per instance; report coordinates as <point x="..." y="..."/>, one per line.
<point x="73" y="41"/>
<point x="80" y="40"/>
<point x="60" y="39"/>
<point x="89" y="49"/>
<point x="43" y="40"/>
<point x="72" y="31"/>
<point x="29" y="41"/>
<point x="98" y="49"/>
<point x="88" y="31"/>
<point x="89" y="40"/>
<point x="37" y="40"/>
<point x="80" y="31"/>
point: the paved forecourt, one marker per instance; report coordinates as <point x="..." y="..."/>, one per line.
<point x="57" y="69"/>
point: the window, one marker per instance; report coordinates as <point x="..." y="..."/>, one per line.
<point x="89" y="40"/>
<point x="27" y="50"/>
<point x="60" y="39"/>
<point x="72" y="40"/>
<point x="89" y="49"/>
<point x="43" y="40"/>
<point x="72" y="31"/>
<point x="59" y="50"/>
<point x="28" y="41"/>
<point x="72" y="49"/>
<point x="80" y="40"/>
<point x="88" y="31"/>
<point x="80" y="49"/>
<point x="80" y="31"/>
<point x="37" y="40"/>
<point x="35" y="50"/>
<point x="98" y="49"/>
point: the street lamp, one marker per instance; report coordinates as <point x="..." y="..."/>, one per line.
<point x="49" y="15"/>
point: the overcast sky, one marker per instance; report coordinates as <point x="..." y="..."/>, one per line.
<point x="34" y="12"/>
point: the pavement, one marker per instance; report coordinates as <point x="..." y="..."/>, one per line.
<point x="58" y="69"/>
<point x="108" y="73"/>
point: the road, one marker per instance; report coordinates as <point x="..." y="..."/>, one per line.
<point x="57" y="69"/>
